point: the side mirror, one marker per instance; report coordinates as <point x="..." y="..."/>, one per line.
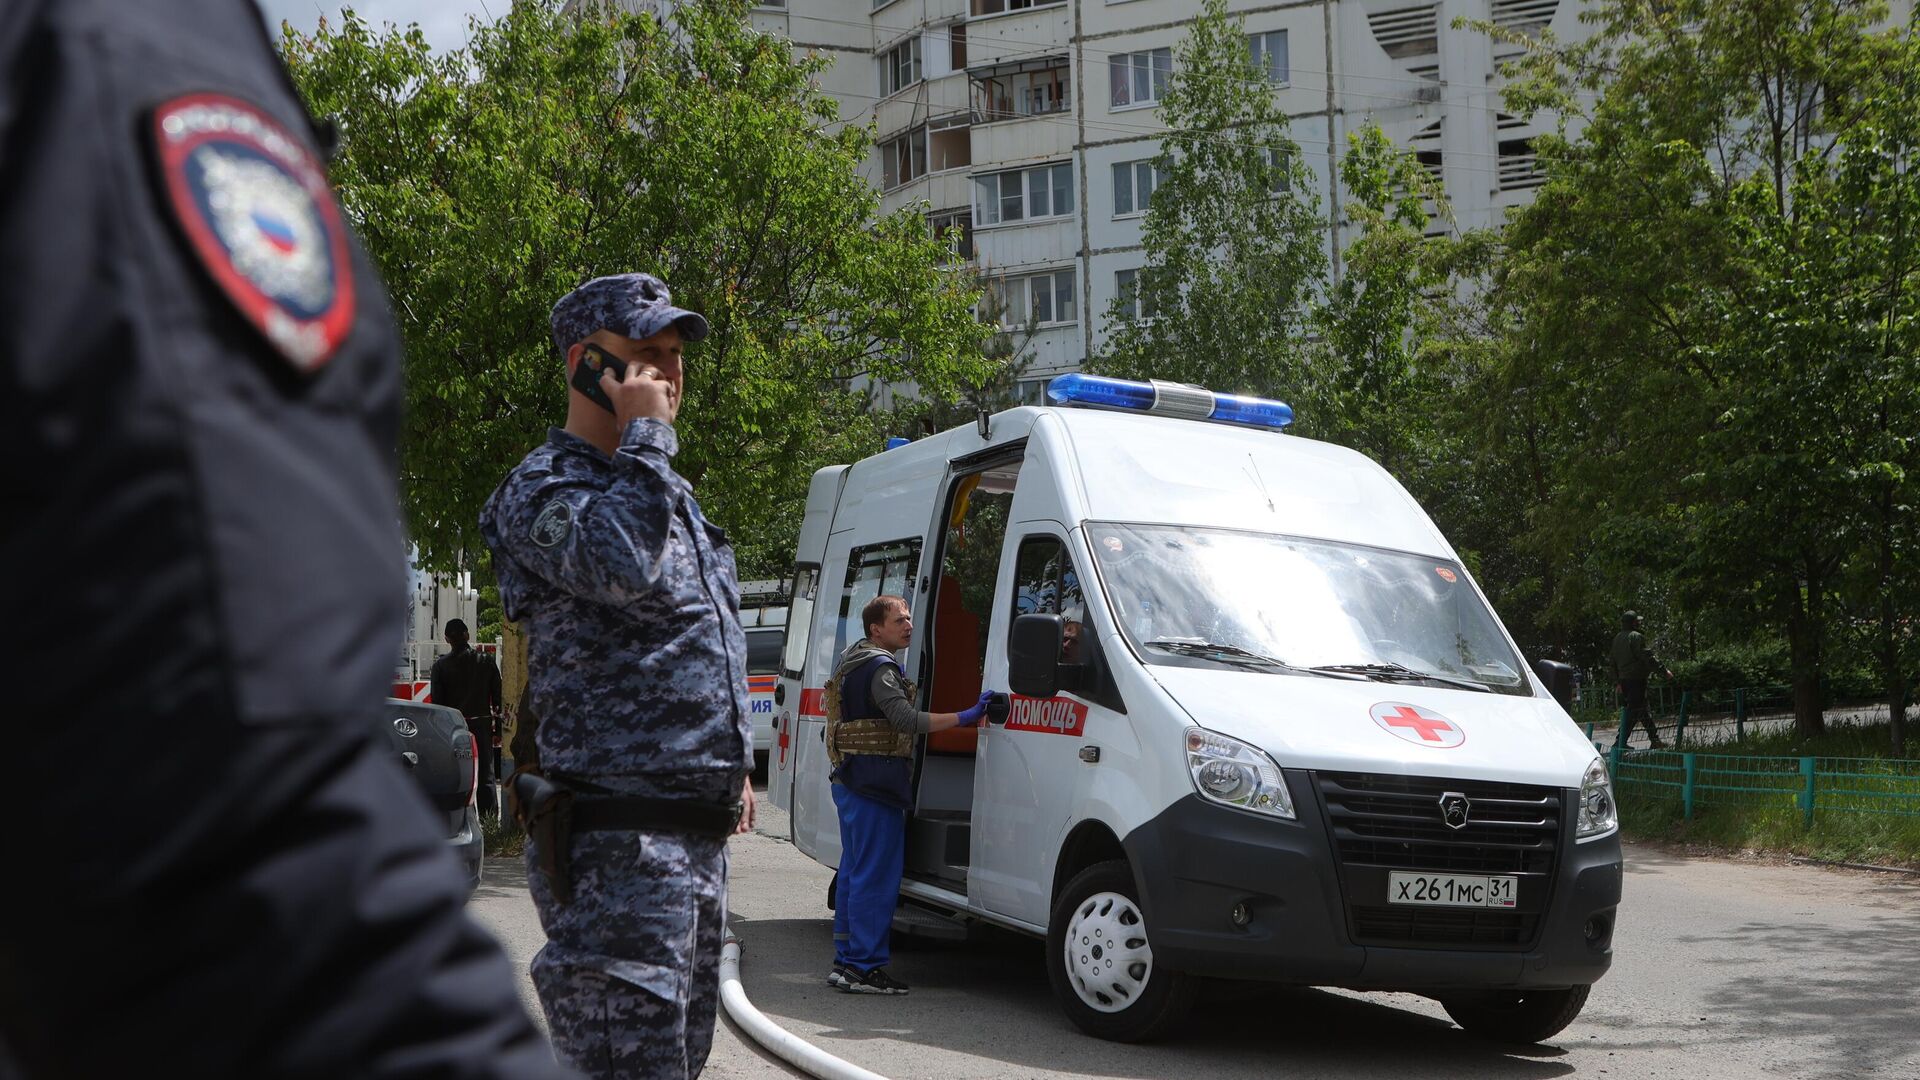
<point x="1033" y="655"/>
<point x="1559" y="680"/>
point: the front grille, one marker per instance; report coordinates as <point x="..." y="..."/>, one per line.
<point x="1382" y="823"/>
<point x="1441" y="926"/>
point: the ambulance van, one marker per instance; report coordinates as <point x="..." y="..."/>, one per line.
<point x="1254" y="720"/>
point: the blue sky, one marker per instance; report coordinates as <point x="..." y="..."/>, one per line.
<point x="443" y="21"/>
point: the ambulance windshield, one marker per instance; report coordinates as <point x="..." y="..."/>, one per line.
<point x="1190" y="596"/>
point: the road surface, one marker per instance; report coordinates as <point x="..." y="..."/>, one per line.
<point x="1722" y="969"/>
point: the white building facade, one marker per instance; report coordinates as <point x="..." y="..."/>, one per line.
<point x="1029" y="125"/>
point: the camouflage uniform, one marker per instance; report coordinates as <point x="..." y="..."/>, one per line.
<point x="630" y="601"/>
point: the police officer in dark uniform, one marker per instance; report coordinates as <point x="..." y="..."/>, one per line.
<point x="630" y="601"/>
<point x="215" y="869"/>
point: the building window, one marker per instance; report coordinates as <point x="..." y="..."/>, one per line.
<point x="1038" y="298"/>
<point x="949" y="143"/>
<point x="1269" y="54"/>
<point x="1043" y="192"/>
<point x="900" y="67"/>
<point x="1140" y="78"/>
<point x="957" y="47"/>
<point x="1008" y="95"/>
<point x="1126" y="286"/>
<point x="904" y="159"/>
<point x="1031" y="391"/>
<point x="1133" y="184"/>
<point x="995" y="7"/>
<point x="1282" y="181"/>
<point x="945" y="222"/>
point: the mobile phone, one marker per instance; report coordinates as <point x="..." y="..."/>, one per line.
<point x="586" y="374"/>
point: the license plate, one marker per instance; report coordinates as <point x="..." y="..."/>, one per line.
<point x="1452" y="890"/>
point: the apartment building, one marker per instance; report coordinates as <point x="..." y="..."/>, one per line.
<point x="1029" y="125"/>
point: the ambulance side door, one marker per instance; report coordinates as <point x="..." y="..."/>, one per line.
<point x="1029" y="769"/>
<point x="790" y="691"/>
<point x="867" y="569"/>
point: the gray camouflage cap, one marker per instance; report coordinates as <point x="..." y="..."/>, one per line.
<point x="631" y="305"/>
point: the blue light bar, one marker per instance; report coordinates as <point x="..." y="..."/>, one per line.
<point x="894" y="442"/>
<point x="1169" y="399"/>
<point x="1260" y="412"/>
<point x="1100" y="390"/>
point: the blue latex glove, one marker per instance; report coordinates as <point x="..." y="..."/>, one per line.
<point x="971" y="715"/>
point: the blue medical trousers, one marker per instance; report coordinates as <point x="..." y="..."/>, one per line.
<point x="873" y="853"/>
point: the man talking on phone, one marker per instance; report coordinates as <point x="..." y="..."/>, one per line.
<point x="631" y="604"/>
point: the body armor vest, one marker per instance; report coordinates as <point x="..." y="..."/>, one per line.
<point x="863" y="734"/>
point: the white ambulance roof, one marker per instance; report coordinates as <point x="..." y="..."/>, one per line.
<point x="1162" y="469"/>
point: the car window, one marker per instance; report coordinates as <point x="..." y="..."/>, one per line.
<point x="763" y="651"/>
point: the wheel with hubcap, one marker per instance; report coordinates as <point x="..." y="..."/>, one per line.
<point x="1517" y="1016"/>
<point x="1100" y="961"/>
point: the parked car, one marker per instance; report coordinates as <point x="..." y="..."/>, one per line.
<point x="440" y="753"/>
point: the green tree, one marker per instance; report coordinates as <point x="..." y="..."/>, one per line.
<point x="1715" y="282"/>
<point x="1234" y="240"/>
<point x="488" y="181"/>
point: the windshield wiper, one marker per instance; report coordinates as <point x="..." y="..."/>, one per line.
<point x="1399" y="673"/>
<point x="1213" y="650"/>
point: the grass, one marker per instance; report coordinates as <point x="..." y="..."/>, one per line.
<point x="1769" y="821"/>
<point x="504" y="838"/>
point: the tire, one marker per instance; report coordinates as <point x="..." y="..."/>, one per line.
<point x="1118" y="995"/>
<point x="1519" y="1016"/>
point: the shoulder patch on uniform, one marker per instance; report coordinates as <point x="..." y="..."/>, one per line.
<point x="552" y="525"/>
<point x="256" y="209"/>
<point x="890" y="676"/>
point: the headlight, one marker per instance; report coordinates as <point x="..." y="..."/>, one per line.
<point x="1598" y="814"/>
<point x="1234" y="773"/>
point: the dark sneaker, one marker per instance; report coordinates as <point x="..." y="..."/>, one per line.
<point x="876" y="981"/>
<point x="839" y="977"/>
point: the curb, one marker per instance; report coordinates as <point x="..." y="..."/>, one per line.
<point x="1801" y="860"/>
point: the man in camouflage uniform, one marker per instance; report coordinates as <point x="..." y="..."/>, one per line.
<point x="871" y="726"/>
<point x="1633" y="664"/>
<point x="630" y="601"/>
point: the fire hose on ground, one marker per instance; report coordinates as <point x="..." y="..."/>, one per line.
<point x="784" y="1044"/>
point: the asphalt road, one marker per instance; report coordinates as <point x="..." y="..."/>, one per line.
<point x="1722" y="969"/>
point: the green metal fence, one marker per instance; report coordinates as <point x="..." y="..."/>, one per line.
<point x="1811" y="785"/>
<point x="1705" y="717"/>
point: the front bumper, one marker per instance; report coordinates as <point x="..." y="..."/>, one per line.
<point x="1197" y="860"/>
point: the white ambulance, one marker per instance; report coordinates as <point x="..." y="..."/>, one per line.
<point x="1256" y="720"/>
<point x="763" y="615"/>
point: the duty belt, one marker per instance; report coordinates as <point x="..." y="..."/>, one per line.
<point x="599" y="809"/>
<point x="552" y="808"/>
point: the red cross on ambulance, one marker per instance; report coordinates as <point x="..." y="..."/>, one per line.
<point x="1422" y="727"/>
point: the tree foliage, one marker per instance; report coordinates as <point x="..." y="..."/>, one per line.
<point x="488" y="181"/>
<point x="1234" y="239"/>
<point x="1718" y="277"/>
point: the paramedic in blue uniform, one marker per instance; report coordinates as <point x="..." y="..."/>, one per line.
<point x="630" y="602"/>
<point x="216" y="866"/>
<point x="871" y="726"/>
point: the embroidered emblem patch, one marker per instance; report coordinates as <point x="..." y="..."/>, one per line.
<point x="256" y="209"/>
<point x="552" y="525"/>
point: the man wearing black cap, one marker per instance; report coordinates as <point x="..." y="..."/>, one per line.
<point x="630" y="602"/>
